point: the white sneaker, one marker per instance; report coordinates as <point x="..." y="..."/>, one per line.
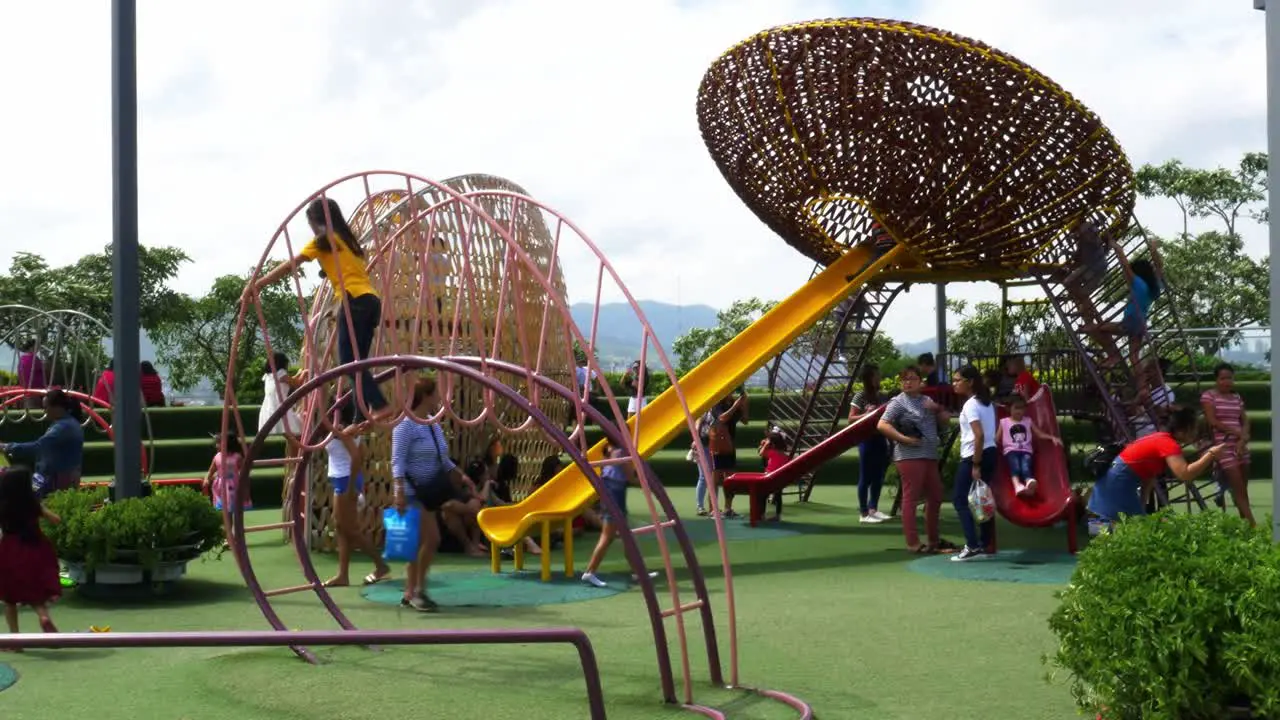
<point x="1031" y="485"/>
<point x="636" y="578"/>
<point x="880" y="516"/>
<point x="591" y="579"/>
<point x="871" y="520"/>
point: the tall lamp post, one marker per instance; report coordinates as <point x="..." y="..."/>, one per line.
<point x="126" y="411"/>
<point x="1273" y="177"/>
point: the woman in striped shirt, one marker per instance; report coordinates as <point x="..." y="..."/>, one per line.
<point x="1225" y="413"/>
<point x="424" y="473"/>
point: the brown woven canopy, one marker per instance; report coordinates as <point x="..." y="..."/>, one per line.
<point x="968" y="156"/>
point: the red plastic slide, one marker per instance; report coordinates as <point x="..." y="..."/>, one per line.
<point x="1053" y="500"/>
<point x="759" y="486"/>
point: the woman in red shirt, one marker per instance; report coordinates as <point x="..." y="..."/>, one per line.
<point x="104" y="392"/>
<point x="152" y="386"/>
<point x="1120" y="491"/>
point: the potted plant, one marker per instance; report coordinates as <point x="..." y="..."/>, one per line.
<point x="139" y="540"/>
<point x="1173" y="617"/>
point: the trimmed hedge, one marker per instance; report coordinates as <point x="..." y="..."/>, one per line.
<point x="184" y="445"/>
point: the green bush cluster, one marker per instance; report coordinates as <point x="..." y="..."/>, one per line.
<point x="1173" y="617"/>
<point x="172" y="524"/>
<point x="7" y="378"/>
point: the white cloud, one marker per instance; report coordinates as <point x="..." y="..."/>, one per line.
<point x="246" y="108"/>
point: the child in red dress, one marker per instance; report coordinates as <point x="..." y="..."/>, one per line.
<point x="773" y="448"/>
<point x="28" y="563"/>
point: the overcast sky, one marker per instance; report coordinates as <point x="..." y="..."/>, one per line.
<point x="248" y="107"/>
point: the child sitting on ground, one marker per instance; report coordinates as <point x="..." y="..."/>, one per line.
<point x="1016" y="432"/>
<point x="773" y="448"/>
<point x="496" y="488"/>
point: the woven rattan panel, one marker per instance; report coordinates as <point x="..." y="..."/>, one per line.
<point x="519" y="321"/>
<point x="967" y="155"/>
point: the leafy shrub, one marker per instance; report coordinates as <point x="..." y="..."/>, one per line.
<point x="1172" y="617"/>
<point x="1252" y="653"/>
<point x="170" y="525"/>
<point x="7" y="378"/>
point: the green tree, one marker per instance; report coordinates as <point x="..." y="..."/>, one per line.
<point x="1218" y="285"/>
<point x="1029" y="327"/>
<point x="86" y="285"/>
<point x="196" y="342"/>
<point x="698" y="344"/>
<point x="74" y="349"/>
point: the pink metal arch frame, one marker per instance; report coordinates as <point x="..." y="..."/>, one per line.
<point x="74" y="329"/>
<point x="462" y="216"/>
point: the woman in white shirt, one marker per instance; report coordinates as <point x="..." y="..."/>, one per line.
<point x="978" y="457"/>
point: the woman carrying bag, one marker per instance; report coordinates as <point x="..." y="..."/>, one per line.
<point x="978" y="455"/>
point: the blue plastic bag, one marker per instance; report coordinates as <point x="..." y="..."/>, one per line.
<point x="401" y="534"/>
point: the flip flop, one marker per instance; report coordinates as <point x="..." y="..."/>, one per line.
<point x="374" y="578"/>
<point x="922" y="550"/>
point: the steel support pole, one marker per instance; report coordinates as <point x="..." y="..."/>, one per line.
<point x="126" y="412"/>
<point x="1273" y="177"/>
<point x="941" y="290"/>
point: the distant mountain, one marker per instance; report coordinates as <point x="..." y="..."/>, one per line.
<point x="618" y="332"/>
<point x="915" y="349"/>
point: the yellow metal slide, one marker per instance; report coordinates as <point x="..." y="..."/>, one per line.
<point x="663" y="418"/>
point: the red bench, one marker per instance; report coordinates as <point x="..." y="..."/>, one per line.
<point x="759" y="486"/>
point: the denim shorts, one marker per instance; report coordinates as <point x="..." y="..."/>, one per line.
<point x="618" y="493"/>
<point x="340" y="484"/>
<point x="1117" y="493"/>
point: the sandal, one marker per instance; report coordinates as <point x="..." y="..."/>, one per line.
<point x="374" y="578"/>
<point x="923" y="549"/>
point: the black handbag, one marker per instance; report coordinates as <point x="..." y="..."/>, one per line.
<point x="428" y="486"/>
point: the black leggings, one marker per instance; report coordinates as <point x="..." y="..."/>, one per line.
<point x="366" y="312"/>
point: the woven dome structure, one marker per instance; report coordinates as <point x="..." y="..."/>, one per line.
<point x="477" y="308"/>
<point x="966" y="155"/>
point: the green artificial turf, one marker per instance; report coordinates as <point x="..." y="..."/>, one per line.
<point x="831" y="613"/>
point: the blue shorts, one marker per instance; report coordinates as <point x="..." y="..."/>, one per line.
<point x="618" y="493"/>
<point x="340" y="484"/>
<point x="1134" y="324"/>
<point x="1117" y="493"/>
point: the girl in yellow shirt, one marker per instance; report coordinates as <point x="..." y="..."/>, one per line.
<point x="342" y="262"/>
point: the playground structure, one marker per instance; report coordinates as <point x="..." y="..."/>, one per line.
<point x="987" y="212"/>
<point x="509" y="395"/>
<point x="68" y="351"/>
<point x="409" y="272"/>
<point x="978" y="167"/>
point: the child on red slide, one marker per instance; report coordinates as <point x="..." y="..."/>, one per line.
<point x="773" y="448"/>
<point x="1016" y="432"/>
